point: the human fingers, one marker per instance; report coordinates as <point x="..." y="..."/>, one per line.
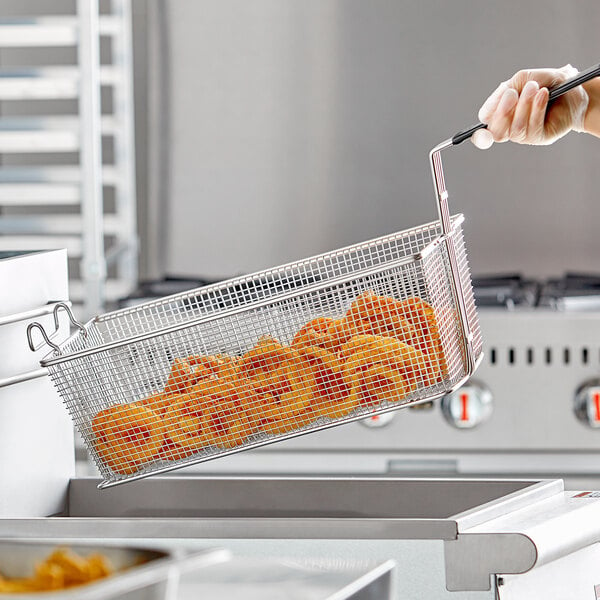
<point x="500" y="122"/>
<point x="482" y="139"/>
<point x="520" y="121"/>
<point x="543" y="77"/>
<point x="537" y="116"/>
<point x="489" y="106"/>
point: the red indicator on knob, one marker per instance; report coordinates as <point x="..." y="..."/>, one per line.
<point x="597" y="406"/>
<point x="469" y="406"/>
<point x="464" y="407"/>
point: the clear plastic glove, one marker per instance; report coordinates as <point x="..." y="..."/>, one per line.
<point x="516" y="111"/>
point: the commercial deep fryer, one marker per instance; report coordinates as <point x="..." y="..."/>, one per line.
<point x="454" y="539"/>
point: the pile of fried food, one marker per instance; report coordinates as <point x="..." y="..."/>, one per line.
<point x="380" y="351"/>
<point x="62" y="569"/>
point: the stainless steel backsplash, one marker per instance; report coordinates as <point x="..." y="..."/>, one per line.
<point x="297" y="127"/>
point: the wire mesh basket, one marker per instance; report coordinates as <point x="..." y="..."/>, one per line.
<point x="316" y="343"/>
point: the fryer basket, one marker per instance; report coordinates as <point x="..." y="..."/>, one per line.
<point x="125" y="356"/>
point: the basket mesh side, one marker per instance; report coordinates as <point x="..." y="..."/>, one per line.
<point x="467" y="286"/>
<point x="309" y="390"/>
<point x="156" y="315"/>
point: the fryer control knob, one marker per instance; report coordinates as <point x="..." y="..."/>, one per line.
<point x="377" y="420"/>
<point x="587" y="403"/>
<point x="468" y="406"/>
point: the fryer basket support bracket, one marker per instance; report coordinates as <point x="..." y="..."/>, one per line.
<point x="437" y="172"/>
<point x="471" y="559"/>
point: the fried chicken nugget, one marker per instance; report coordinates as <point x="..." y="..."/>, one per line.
<point x="358" y="342"/>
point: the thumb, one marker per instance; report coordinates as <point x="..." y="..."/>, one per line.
<point x="482" y="139"/>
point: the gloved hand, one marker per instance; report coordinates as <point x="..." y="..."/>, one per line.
<point x="516" y="111"/>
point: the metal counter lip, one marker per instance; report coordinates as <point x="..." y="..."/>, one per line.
<point x="229" y="528"/>
<point x="109" y="513"/>
<point x="491" y="510"/>
<point x="83" y="493"/>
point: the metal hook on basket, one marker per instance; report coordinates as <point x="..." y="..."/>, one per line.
<point x="71" y="316"/>
<point x="55" y="312"/>
<point x="36" y="325"/>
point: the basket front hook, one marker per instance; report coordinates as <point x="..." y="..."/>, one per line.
<point x="71" y="316"/>
<point x="35" y="325"/>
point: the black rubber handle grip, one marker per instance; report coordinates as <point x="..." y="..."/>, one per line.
<point x="555" y="93"/>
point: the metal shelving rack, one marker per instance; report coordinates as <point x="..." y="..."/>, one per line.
<point x="82" y="202"/>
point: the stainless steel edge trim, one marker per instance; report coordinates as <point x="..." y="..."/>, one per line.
<point x="232" y="312"/>
<point x="31" y="314"/>
<point x="509" y="503"/>
<point x="23" y="377"/>
<point x="230" y="528"/>
<point x="457" y="221"/>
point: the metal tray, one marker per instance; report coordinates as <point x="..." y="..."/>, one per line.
<point x="151" y="571"/>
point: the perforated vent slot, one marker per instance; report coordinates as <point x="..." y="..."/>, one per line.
<point x="547" y="356"/>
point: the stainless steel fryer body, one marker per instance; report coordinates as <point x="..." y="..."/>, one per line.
<point x="451" y="539"/>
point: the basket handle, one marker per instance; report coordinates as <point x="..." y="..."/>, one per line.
<point x="555" y="93"/>
<point x="437" y="172"/>
<point x="456" y="287"/>
<point x="35" y="325"/>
